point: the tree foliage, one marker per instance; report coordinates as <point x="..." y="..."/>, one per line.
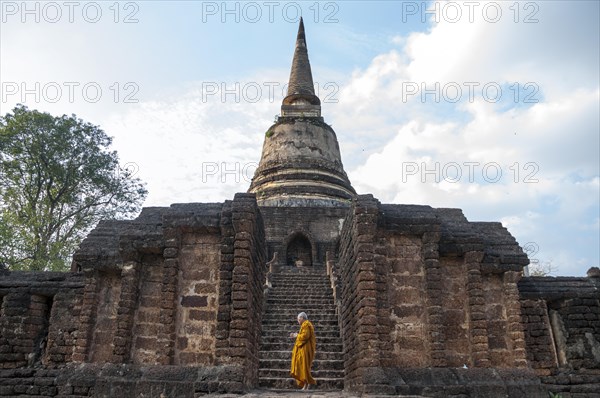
<point x="58" y="178"/>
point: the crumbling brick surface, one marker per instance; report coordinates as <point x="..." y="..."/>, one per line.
<point x="37" y="325"/>
<point x="561" y="322"/>
<point x="172" y="303"/>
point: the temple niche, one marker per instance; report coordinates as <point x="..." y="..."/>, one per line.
<point x="200" y="297"/>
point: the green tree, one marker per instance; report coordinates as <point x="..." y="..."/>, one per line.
<point x="58" y="178"/>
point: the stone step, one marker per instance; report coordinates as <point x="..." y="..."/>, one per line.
<point x="295" y="285"/>
<point x="325" y="337"/>
<point x="287" y="354"/>
<point x="316" y="281"/>
<point x="288" y="345"/>
<point x="285" y="373"/>
<point x="285" y="324"/>
<point x="291" y="308"/>
<point x="298" y="302"/>
<point x="293" y="292"/>
<point x="300" y="294"/>
<point x="282" y="310"/>
<point x="581" y="387"/>
<point x="323" y="384"/>
<point x="312" y="317"/>
<point x="285" y="321"/>
<point x="301" y="290"/>
<point x="289" y="322"/>
<point x="318" y="324"/>
<point x="318" y="365"/>
<point x="284" y="331"/>
<point x="295" y="309"/>
<point x="304" y="271"/>
<point x="289" y="314"/>
<point x="300" y="278"/>
<point x="282" y="339"/>
<point x="293" y="269"/>
<point x="287" y="282"/>
<point x="328" y="337"/>
<point x="301" y="298"/>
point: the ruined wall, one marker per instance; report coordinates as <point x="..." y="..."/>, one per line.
<point x="104" y="327"/>
<point x="36" y="318"/>
<point x="145" y="348"/>
<point x="243" y="275"/>
<point x="541" y="351"/>
<point x="505" y="337"/>
<point x="576" y="327"/>
<point x="198" y="279"/>
<point x="456" y="316"/>
<point x="179" y="286"/>
<point x="422" y="289"/>
<point x="408" y="299"/>
<point x="408" y="239"/>
<point x="561" y="320"/>
<point x="364" y="316"/>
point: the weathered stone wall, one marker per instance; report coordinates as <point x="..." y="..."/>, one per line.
<point x="321" y="225"/>
<point x="576" y="327"/>
<point x="179" y="286"/>
<point x="425" y="295"/>
<point x="456" y="316"/>
<point x="104" y="327"/>
<point x="145" y="348"/>
<point x="171" y="303"/>
<point x="364" y="317"/>
<point x="118" y="380"/>
<point x="243" y="274"/>
<point x="408" y="299"/>
<point x="503" y="315"/>
<point x="198" y="279"/>
<point x="561" y="320"/>
<point x="421" y="288"/>
<point x="36" y="318"/>
<point x="541" y="351"/>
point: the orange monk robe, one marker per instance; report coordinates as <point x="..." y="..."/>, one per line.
<point x="303" y="354"/>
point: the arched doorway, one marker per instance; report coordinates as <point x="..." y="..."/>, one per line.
<point x="299" y="249"/>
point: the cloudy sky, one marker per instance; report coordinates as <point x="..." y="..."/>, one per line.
<point x="491" y="107"/>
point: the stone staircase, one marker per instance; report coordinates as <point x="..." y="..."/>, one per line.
<point x="294" y="291"/>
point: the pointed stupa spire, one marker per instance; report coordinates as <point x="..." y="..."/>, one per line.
<point x="301" y="163"/>
<point x="301" y="99"/>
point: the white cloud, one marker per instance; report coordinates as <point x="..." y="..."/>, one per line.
<point x="178" y="139"/>
<point x="548" y="152"/>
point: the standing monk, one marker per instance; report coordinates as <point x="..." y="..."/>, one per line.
<point x="304" y="352"/>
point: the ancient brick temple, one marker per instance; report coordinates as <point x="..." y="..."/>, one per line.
<point x="200" y="297"/>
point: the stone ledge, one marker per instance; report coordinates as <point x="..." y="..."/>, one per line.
<point x="475" y="382"/>
<point x="112" y="380"/>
